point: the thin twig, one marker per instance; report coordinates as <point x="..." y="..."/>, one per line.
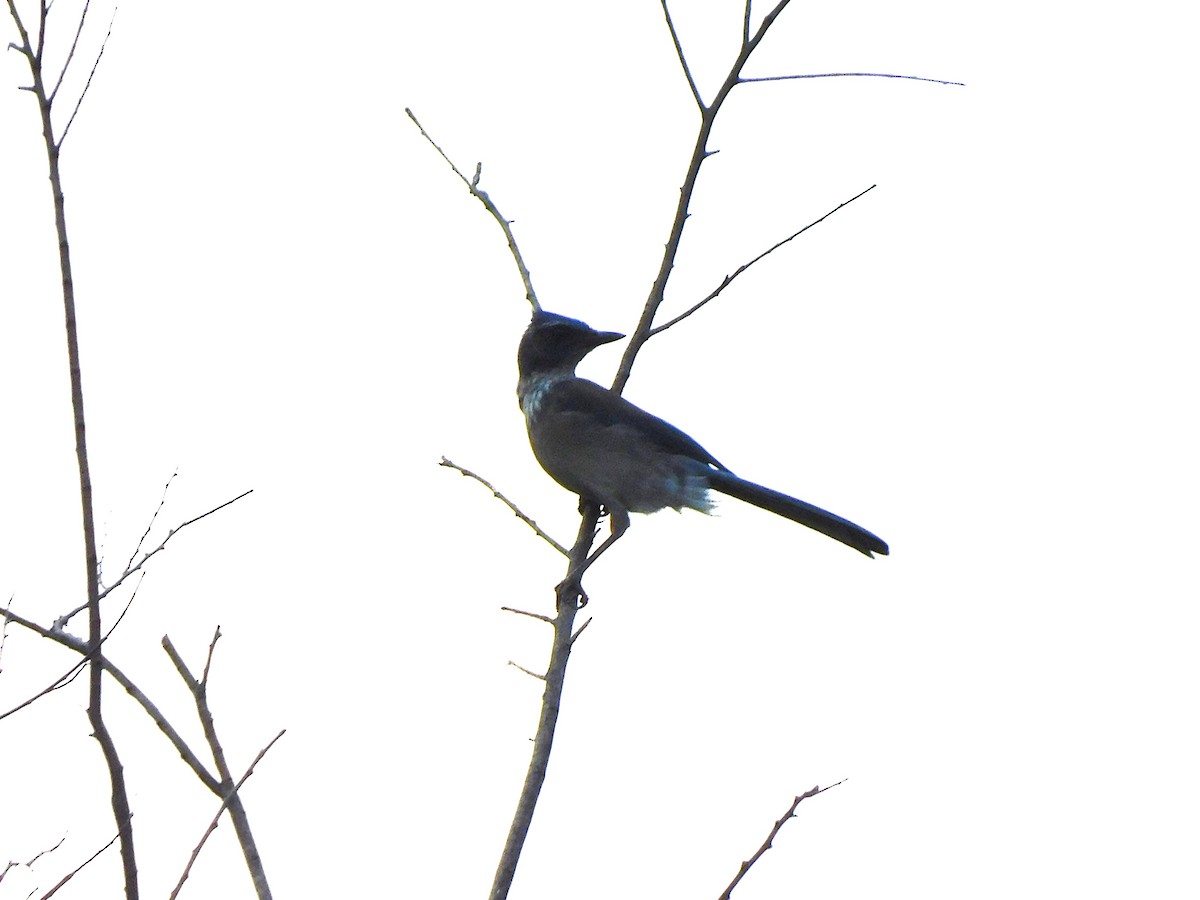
<point x="78" y="869"/>
<point x="62" y="681"/>
<point x="683" y="59"/>
<point x="170" y="534"/>
<point x="212" y="826"/>
<point x="729" y="278"/>
<point x="700" y="152"/>
<point x="527" y="671"/>
<point x="88" y="83"/>
<point x="41" y="853"/>
<point x="521" y="612"/>
<point x="851" y="75"/>
<point x="473" y="186"/>
<point x="812" y="792"/>
<point x="228" y="790"/>
<point x="516" y="511"/>
<point x="576" y="635"/>
<point x="71" y="54"/>
<point x="153" y="518"/>
<point x="81" y="647"/>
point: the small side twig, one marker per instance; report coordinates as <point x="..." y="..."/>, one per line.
<point x="516" y="510"/>
<point x="852" y="75"/>
<point x="687" y="71"/>
<point x="146" y="557"/>
<point x="482" y="196"/>
<point x="79" y="868"/>
<point x="811" y="792"/>
<point x="87" y="84"/>
<point x="532" y="615"/>
<point x="228" y="788"/>
<point x="153" y="518"/>
<point x="528" y="672"/>
<point x="742" y="268"/>
<point x="212" y="826"/>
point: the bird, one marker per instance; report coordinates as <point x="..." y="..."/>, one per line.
<point x="597" y="444"/>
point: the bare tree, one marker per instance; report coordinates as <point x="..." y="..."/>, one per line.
<point x="570" y="596"/>
<point x="45" y="88"/>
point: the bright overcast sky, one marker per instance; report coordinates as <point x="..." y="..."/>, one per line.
<point x="989" y="360"/>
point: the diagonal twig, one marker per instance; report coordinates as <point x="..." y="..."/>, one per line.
<point x="812" y="792"/>
<point x="79" y="868"/>
<point x="683" y="59"/>
<point x="742" y="268"/>
<point x="516" y="511"/>
<point x="174" y="531"/>
<point x="153" y="518"/>
<point x="212" y="826"/>
<point x="82" y="647"/>
<point x="473" y="186"/>
<point x="95" y="65"/>
<point x="71" y="54"/>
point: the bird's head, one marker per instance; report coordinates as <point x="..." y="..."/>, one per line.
<point x="554" y="345"/>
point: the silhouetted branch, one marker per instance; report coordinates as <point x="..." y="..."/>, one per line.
<point x="170" y="534"/>
<point x="851" y="75"/>
<point x="88" y="84"/>
<point x="742" y="268"/>
<point x="683" y="59"/>
<point x="812" y="792"/>
<point x="481" y="195"/>
<point x="516" y="510"/>
<point x="212" y="826"/>
<point x="79" y="868"/>
<point x="700" y="152"/>
<point x="228" y="790"/>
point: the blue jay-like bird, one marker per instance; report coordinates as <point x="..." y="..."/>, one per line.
<point x="600" y="446"/>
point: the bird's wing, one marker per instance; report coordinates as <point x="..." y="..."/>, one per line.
<point x="578" y="396"/>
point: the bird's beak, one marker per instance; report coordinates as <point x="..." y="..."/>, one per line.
<point x="605" y="337"/>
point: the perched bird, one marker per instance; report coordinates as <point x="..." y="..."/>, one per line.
<point x="603" y="448"/>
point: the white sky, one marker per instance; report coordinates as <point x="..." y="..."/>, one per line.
<point x="989" y="360"/>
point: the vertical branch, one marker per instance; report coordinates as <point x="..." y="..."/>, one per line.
<point x="119" y="795"/>
<point x="556" y="672"/>
<point x="708" y="116"/>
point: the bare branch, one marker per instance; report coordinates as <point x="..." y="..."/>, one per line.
<point x="516" y="511"/>
<point x="212" y="826"/>
<point x="700" y="153"/>
<point x="812" y="792"/>
<point x="576" y="635"/>
<point x="174" y="531"/>
<point x="682" y="59"/>
<point x="521" y="612"/>
<point x="78" y="869"/>
<point x="153" y="518"/>
<point x="851" y="75"/>
<point x="527" y="671"/>
<point x="473" y="186"/>
<point x="71" y="55"/>
<point x="742" y="268"/>
<point x="78" y="103"/>
<point x="543" y="741"/>
<point x="60" y="682"/>
<point x="227" y="789"/>
<point x="42" y="853"/>
<point x="81" y="647"/>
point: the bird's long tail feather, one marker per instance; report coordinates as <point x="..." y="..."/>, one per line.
<point x="798" y="511"/>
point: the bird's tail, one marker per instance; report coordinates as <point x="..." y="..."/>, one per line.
<point x="798" y="511"/>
